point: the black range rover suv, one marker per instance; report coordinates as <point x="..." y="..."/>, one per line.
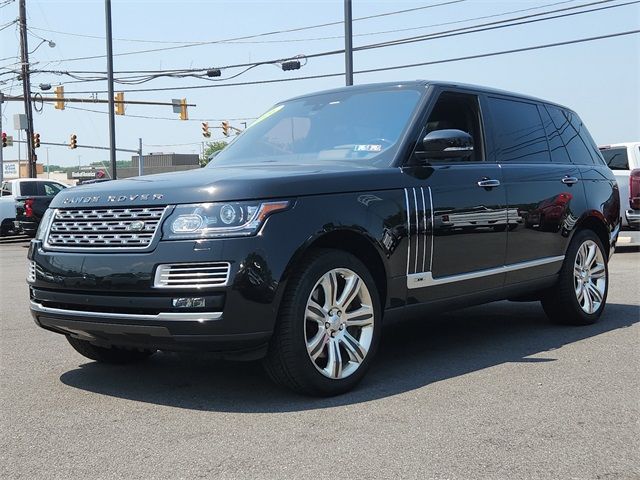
<point x="333" y="213"/>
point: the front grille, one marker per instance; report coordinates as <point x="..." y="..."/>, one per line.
<point x="192" y="275"/>
<point x="104" y="228"/>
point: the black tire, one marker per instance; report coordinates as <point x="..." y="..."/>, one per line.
<point x="108" y="355"/>
<point x="287" y="362"/>
<point x="6" y="227"/>
<point x="561" y="302"/>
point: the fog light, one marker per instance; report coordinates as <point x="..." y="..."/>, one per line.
<point x="197" y="302"/>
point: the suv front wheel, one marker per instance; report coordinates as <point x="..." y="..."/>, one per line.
<point x="328" y="327"/>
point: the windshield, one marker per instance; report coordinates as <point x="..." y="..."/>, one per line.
<point x="346" y="126"/>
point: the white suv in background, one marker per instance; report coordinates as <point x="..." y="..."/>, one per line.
<point x="624" y="160"/>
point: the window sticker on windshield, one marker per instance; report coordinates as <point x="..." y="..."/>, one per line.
<point x="367" y="148"/>
<point x="266" y="115"/>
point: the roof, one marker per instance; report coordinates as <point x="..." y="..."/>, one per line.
<point x="425" y="83"/>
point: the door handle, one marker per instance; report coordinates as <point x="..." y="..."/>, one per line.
<point x="567" y="180"/>
<point x="488" y="183"/>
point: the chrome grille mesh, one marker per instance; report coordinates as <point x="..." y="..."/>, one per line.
<point x="192" y="275"/>
<point x="104" y="227"/>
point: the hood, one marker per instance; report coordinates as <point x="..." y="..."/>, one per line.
<point x="217" y="184"/>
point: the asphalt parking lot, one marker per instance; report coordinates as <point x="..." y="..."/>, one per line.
<point x="491" y="392"/>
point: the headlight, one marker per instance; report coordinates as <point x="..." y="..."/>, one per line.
<point x="44" y="224"/>
<point x="210" y="220"/>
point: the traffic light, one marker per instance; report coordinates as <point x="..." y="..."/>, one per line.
<point x="73" y="141"/>
<point x="183" y="110"/>
<point x="60" y="98"/>
<point x="225" y="128"/>
<point x="36" y="140"/>
<point x="119" y="101"/>
<point x="4" y="139"/>
<point x="205" y="130"/>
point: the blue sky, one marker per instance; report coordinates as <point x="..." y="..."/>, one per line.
<point x="600" y="80"/>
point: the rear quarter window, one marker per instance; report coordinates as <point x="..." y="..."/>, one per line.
<point x="573" y="134"/>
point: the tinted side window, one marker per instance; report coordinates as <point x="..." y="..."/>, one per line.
<point x="29" y="189"/>
<point x="50" y="189"/>
<point x="590" y="142"/>
<point x="518" y="130"/>
<point x="616" y="158"/>
<point x="569" y="126"/>
<point x="556" y="145"/>
<point x="5" y="189"/>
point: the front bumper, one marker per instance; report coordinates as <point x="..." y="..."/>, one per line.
<point x="164" y="331"/>
<point x="26" y="226"/>
<point x="110" y="298"/>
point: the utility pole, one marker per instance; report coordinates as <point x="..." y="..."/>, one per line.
<point x="348" y="42"/>
<point x="26" y="86"/>
<point x="112" y="113"/>
<point x="47" y="149"/>
<point x="140" y="166"/>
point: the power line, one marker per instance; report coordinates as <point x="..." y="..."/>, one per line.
<point x="398" y="67"/>
<point x="503" y="52"/>
<point x="433" y="36"/>
<point x="148" y="117"/>
<point x="397" y="30"/>
<point x="246" y="37"/>
<point x="531" y="18"/>
<point x="527" y="19"/>
<point x="297" y="29"/>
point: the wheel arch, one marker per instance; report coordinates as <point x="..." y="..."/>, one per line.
<point x="595" y="222"/>
<point x="357" y="243"/>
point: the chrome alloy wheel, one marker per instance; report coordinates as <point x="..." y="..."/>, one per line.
<point x="338" y="324"/>
<point x="589" y="277"/>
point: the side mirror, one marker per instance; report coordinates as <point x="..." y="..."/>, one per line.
<point x="442" y="144"/>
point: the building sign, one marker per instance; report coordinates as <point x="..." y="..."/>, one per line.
<point x="82" y="175"/>
<point x="10" y="170"/>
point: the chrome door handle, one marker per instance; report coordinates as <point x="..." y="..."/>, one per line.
<point x="488" y="183"/>
<point x="567" y="180"/>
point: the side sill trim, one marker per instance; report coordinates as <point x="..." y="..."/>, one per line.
<point x="163" y="316"/>
<point x="425" y="279"/>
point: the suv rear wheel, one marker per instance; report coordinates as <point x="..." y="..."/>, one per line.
<point x="108" y="355"/>
<point x="581" y="293"/>
<point x="328" y="327"/>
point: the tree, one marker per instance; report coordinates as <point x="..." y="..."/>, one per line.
<point x="211" y="148"/>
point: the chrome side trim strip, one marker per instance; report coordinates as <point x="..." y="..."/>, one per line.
<point x="425" y="279"/>
<point x="415" y="202"/>
<point x="174" y="316"/>
<point x="433" y="229"/>
<point x="424" y="230"/>
<point x="406" y="197"/>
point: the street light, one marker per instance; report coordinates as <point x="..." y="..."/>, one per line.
<point x="51" y="44"/>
